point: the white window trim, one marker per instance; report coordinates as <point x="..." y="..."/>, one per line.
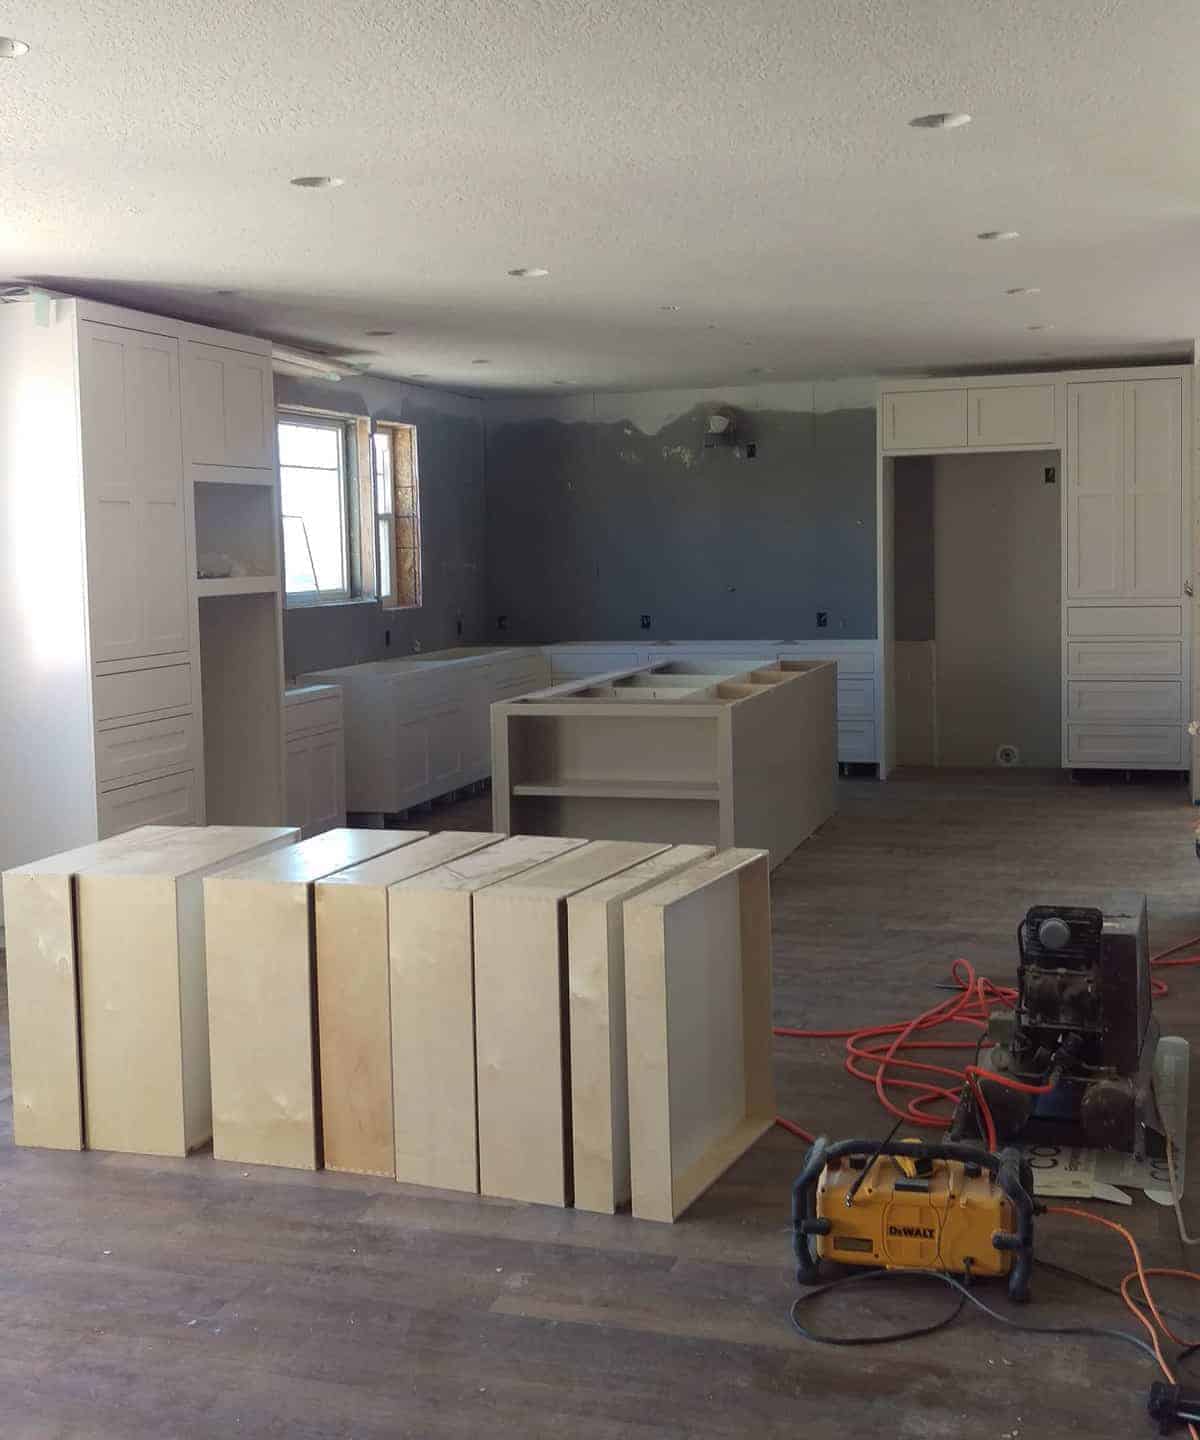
<point x="314" y="599"/>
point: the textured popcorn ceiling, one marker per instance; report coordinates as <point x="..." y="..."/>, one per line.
<point x="749" y="163"/>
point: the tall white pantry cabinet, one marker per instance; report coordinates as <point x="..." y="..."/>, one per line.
<point x="134" y="693"/>
<point x="1124" y="437"/>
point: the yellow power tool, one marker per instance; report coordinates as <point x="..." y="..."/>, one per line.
<point x="908" y="1205"/>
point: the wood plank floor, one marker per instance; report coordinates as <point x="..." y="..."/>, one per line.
<point x="158" y="1298"/>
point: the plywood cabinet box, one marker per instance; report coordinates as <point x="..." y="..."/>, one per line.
<point x="698" y="1002"/>
<point x="678" y="753"/>
<point x="126" y="701"/>
<point x="418" y="728"/>
<point x="432" y="947"/>
<point x="143" y="988"/>
<point x="354" y="998"/>
<point x="260" y="948"/>
<point x="522" y="1024"/>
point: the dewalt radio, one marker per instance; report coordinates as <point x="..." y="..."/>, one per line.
<point x="908" y="1205"/>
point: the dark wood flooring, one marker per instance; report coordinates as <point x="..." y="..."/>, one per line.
<point x="151" y="1298"/>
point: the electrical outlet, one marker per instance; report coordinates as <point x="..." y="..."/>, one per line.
<point x="1050" y="474"/>
<point x="751" y="449"/>
<point x="822" y="619"/>
<point x="501" y="622"/>
<point x="645" y="622"/>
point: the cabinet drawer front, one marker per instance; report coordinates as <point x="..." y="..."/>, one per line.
<point x="1151" y="658"/>
<point x="855" y="699"/>
<point x="1124" y="620"/>
<point x="312" y="715"/>
<point x="856" y="742"/>
<point x="1157" y="702"/>
<point x="139" y="692"/>
<point x="149" y="745"/>
<point x="924" y="419"/>
<point x="1011" y="414"/>
<point x="1121" y="746"/>
<point x="168" y="801"/>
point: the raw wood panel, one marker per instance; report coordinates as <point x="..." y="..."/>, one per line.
<point x="354" y="999"/>
<point x="260" y="948"/>
<point x="521" y="1013"/>
<point x="431" y="923"/>
<point x="143" y="993"/>
<point x="43" y="990"/>
<point x="698" y="1008"/>
<point x="599" y="1074"/>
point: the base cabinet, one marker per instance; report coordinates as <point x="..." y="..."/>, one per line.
<point x="315" y="759"/>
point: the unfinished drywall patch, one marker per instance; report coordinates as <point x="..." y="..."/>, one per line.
<point x="997" y="586"/>
<point x="450" y="460"/>
<point x="611" y="508"/>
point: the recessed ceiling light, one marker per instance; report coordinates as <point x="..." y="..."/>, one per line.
<point x="560" y="382"/>
<point x="420" y="375"/>
<point x="317" y="182"/>
<point x="529" y="272"/>
<point x="941" y="120"/>
<point x="759" y="370"/>
<point x="481" y="362"/>
<point x="999" y="235"/>
<point x="1023" y="290"/>
<point x="11" y="49"/>
<point x="226" y="294"/>
<point x="668" y="307"/>
<point x="1039" y="327"/>
<point x="379" y="334"/>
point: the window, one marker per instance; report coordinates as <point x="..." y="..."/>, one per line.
<point x="314" y="497"/>
<point x="398" y="517"/>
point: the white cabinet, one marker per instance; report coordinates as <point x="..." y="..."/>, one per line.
<point x="229" y="407"/>
<point x="168" y="800"/>
<point x="573" y="661"/>
<point x="315" y="759"/>
<point x="1153" y="488"/>
<point x="136" y="530"/>
<point x="924" y="419"/>
<point x="1000" y="415"/>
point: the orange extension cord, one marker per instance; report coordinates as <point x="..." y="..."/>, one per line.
<point x="873" y="1052"/>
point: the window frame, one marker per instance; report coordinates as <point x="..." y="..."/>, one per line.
<point x="385" y="519"/>
<point x="344" y="426"/>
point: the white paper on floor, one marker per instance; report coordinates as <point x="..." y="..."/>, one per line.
<point x="1067" y="1172"/>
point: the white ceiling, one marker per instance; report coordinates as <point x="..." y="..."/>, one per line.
<point x="750" y="163"/>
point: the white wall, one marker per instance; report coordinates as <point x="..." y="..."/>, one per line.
<point x="996" y="608"/>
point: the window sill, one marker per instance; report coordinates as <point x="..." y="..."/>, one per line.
<point x="342" y="602"/>
<point x="400" y="609"/>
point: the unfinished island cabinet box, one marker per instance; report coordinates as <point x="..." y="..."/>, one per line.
<point x="143" y="991"/>
<point x="354" y="1003"/>
<point x="43" y="985"/>
<point x="698" y="1015"/>
<point x="431" y="920"/>
<point x="522" y="1020"/>
<point x="599" y="1068"/>
<point x="260" y="945"/>
<point x="672" y="753"/>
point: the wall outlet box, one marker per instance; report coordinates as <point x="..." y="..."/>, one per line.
<point x="822" y="619"/>
<point x="645" y="622"/>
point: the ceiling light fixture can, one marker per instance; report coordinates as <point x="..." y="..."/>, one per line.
<point x="941" y="120"/>
<point x="317" y="182"/>
<point x="1023" y="290"/>
<point x="481" y="362"/>
<point x="379" y="334"/>
<point x="999" y="235"/>
<point x="529" y="272"/>
<point x="11" y="49"/>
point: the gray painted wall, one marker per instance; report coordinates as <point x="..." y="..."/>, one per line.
<point x="611" y="509"/>
<point x="998" y="599"/>
<point x="450" y="459"/>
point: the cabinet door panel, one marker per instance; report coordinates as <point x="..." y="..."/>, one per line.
<point x="230" y="407"/>
<point x="924" y="419"/>
<point x="1095" y="489"/>
<point x="296" y="785"/>
<point x="1154" y="488"/>
<point x="326" y="783"/>
<point x="1011" y="414"/>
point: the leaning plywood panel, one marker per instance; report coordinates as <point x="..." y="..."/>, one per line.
<point x="431" y="924"/>
<point x="599" y="1083"/>
<point x="698" y="1012"/>
<point x="521" y="1032"/>
<point x="43" y="993"/>
<point x="143" y="993"/>
<point x="260" y="946"/>
<point x="354" y="1000"/>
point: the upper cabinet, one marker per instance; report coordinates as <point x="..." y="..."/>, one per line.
<point x="229" y="407"/>
<point x="924" y="419"/>
<point x="964" y="417"/>
<point x="133" y="492"/>
<point x="1124" y="489"/>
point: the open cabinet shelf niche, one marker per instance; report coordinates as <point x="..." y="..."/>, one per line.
<point x="711" y="756"/>
<point x="235" y="524"/>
